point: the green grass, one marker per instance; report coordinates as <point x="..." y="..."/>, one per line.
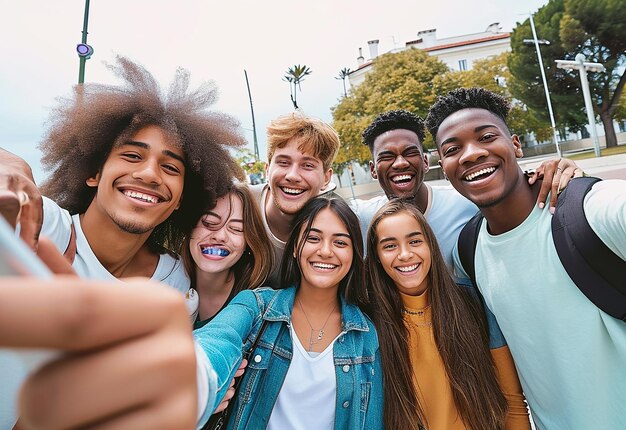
<point x="620" y="149"/>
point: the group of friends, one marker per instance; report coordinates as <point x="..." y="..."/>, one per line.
<point x="365" y="316"/>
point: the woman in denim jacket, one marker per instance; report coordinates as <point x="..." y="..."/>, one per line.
<point x="317" y="364"/>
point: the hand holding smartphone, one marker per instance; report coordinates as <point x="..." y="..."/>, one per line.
<point x="16" y="259"/>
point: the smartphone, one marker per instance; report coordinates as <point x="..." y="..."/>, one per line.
<point x="17" y="259"/>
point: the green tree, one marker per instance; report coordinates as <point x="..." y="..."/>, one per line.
<point x="294" y="76"/>
<point x="343" y="74"/>
<point x="409" y="80"/>
<point x="594" y="28"/>
<point x="248" y="162"/>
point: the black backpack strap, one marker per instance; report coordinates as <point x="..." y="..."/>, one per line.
<point x="597" y="271"/>
<point x="468" y="238"/>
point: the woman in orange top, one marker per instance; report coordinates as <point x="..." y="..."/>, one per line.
<point x="438" y="368"/>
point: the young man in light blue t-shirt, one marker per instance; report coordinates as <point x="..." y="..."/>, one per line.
<point x="569" y="354"/>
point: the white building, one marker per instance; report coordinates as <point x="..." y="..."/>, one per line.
<point x="458" y="52"/>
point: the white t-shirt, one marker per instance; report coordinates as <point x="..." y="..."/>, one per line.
<point x="57" y="227"/>
<point x="447" y="212"/>
<point x="570" y="356"/>
<point x="307" y="398"/>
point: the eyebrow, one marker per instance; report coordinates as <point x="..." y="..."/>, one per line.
<point x="476" y="130"/>
<point x="144" y="145"/>
<point x="334" y="234"/>
<point x="408" y="236"/>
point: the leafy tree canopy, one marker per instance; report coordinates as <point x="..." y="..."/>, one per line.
<point x="409" y="80"/>
<point x="595" y="28"/>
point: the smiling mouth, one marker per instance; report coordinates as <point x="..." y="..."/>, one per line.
<point x="141" y="196"/>
<point x="481" y="174"/>
<point x="292" y="191"/>
<point x="407" y="269"/>
<point x="324" y="266"/>
<point x="401" y="179"/>
<point x="211" y="250"/>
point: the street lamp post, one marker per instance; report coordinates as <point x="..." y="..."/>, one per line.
<point x="256" y="144"/>
<point x="84" y="51"/>
<point x="583" y="67"/>
<point x="537" y="42"/>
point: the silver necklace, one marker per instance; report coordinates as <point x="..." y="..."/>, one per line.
<point x="320" y="332"/>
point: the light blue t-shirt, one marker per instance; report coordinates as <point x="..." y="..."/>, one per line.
<point x="570" y="356"/>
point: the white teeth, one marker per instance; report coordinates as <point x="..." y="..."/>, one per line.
<point x="479" y="173"/>
<point x="141" y="196"/>
<point x="408" y="268"/>
<point x="292" y="191"/>
<point x="401" y="178"/>
<point x="324" y="265"/>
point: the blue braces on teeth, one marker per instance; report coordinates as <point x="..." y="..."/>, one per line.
<point x="215" y="251"/>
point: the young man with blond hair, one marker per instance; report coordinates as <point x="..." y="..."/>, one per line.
<point x="300" y="151"/>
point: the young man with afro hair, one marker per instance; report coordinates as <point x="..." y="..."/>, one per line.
<point x="131" y="171"/>
<point x="569" y="354"/>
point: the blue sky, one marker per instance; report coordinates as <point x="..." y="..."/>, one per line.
<point x="214" y="40"/>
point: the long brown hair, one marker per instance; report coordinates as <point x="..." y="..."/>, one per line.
<point x="257" y="260"/>
<point x="460" y="332"/>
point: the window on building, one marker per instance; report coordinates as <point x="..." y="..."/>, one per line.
<point x="462" y="65"/>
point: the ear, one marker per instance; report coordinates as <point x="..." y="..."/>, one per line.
<point x="267" y="167"/>
<point x="518" y="146"/>
<point x="328" y="175"/>
<point x="444" y="173"/>
<point x="93" y="181"/>
<point x="373" y="170"/>
<point x="426" y="165"/>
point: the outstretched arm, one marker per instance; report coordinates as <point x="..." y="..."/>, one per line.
<point x="20" y="199"/>
<point x="124" y="365"/>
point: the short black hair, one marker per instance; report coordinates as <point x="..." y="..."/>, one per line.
<point x="465" y="98"/>
<point x="394" y="120"/>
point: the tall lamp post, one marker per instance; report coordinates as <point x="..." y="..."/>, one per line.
<point x="583" y="67"/>
<point x="84" y="51"/>
<point x="538" y="42"/>
<point x="256" y="144"/>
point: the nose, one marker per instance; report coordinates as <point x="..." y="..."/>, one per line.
<point x="293" y="173"/>
<point x="471" y="152"/>
<point x="325" y="249"/>
<point x="400" y="163"/>
<point x="405" y="253"/>
<point x="219" y="235"/>
<point x="148" y="172"/>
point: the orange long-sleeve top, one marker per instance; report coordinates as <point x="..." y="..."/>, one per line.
<point x="431" y="381"/>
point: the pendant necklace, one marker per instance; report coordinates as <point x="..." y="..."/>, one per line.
<point x="320" y="332"/>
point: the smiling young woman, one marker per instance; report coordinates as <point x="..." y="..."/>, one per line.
<point x="443" y="365"/>
<point x="228" y="251"/>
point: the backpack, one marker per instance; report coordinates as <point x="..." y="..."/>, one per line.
<point x="596" y="270"/>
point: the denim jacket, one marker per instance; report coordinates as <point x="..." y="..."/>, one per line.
<point x="359" y="402"/>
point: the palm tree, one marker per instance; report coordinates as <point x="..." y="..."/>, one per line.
<point x="343" y="74"/>
<point x="295" y="75"/>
